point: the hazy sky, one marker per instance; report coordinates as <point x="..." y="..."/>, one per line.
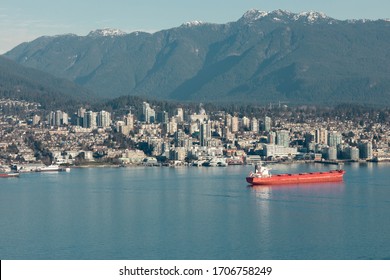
<point x="25" y="20"/>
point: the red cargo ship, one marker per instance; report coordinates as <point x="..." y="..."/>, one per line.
<point x="262" y="176"/>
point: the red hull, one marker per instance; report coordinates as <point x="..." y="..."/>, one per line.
<point x="313" y="177"/>
<point x="9" y="175"/>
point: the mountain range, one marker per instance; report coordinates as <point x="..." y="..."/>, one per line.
<point x="260" y="58"/>
<point x="24" y="83"/>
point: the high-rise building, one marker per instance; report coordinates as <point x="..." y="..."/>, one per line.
<point x="129" y="121"/>
<point x="149" y="114"/>
<point x="330" y="153"/>
<point x="354" y="153"/>
<point x="58" y="118"/>
<point x="179" y="114"/>
<point x="205" y="133"/>
<point x="103" y="119"/>
<point x="90" y="118"/>
<point x="334" y="138"/>
<point x="272" y="137"/>
<point x="254" y="125"/>
<point x="365" y="150"/>
<point x="228" y="120"/>
<point x="267" y="124"/>
<point x="81" y="112"/>
<point x="309" y="140"/>
<point x="82" y="121"/>
<point x="245" y="122"/>
<point x="51" y="118"/>
<point x="36" y="119"/>
<point x="65" y="118"/>
<point x="180" y="137"/>
<point x="283" y="138"/>
<point x="321" y="136"/>
<point x="234" y="128"/>
<point x="172" y="126"/>
<point x="162" y="117"/>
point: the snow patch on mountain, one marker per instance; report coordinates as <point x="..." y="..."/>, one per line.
<point x="107" y="32"/>
<point x="253" y="15"/>
<point x="192" y="23"/>
<point x="283" y="16"/>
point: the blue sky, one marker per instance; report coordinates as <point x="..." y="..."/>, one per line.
<point x="25" y="20"/>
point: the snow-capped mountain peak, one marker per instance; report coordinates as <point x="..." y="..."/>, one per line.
<point x="192" y="23"/>
<point x="254" y="15"/>
<point x="311" y="16"/>
<point x="107" y="32"/>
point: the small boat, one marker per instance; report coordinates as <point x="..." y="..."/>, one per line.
<point x="263" y="176"/>
<point x="215" y="161"/>
<point x="52" y="168"/>
<point x="9" y="175"/>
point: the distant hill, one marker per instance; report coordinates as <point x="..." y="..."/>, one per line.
<point x="19" y="82"/>
<point x="260" y="58"/>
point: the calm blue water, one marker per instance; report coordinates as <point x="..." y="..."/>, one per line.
<point x="194" y="213"/>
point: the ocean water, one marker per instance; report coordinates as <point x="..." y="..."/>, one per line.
<point x="194" y="213"/>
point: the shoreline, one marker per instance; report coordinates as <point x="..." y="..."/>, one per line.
<point x="189" y="165"/>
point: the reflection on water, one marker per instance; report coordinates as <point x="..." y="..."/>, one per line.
<point x="319" y="187"/>
<point x="194" y="213"/>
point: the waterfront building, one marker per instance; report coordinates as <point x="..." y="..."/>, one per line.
<point x="365" y="150"/>
<point x="178" y="153"/>
<point x="133" y="156"/>
<point x="352" y="153"/>
<point x="330" y="153"/>
<point x="342" y="151"/>
<point x="272" y="151"/>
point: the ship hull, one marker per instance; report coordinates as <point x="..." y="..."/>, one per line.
<point x="9" y="175"/>
<point x="313" y="177"/>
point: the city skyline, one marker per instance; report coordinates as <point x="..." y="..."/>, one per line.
<point x="22" y="21"/>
